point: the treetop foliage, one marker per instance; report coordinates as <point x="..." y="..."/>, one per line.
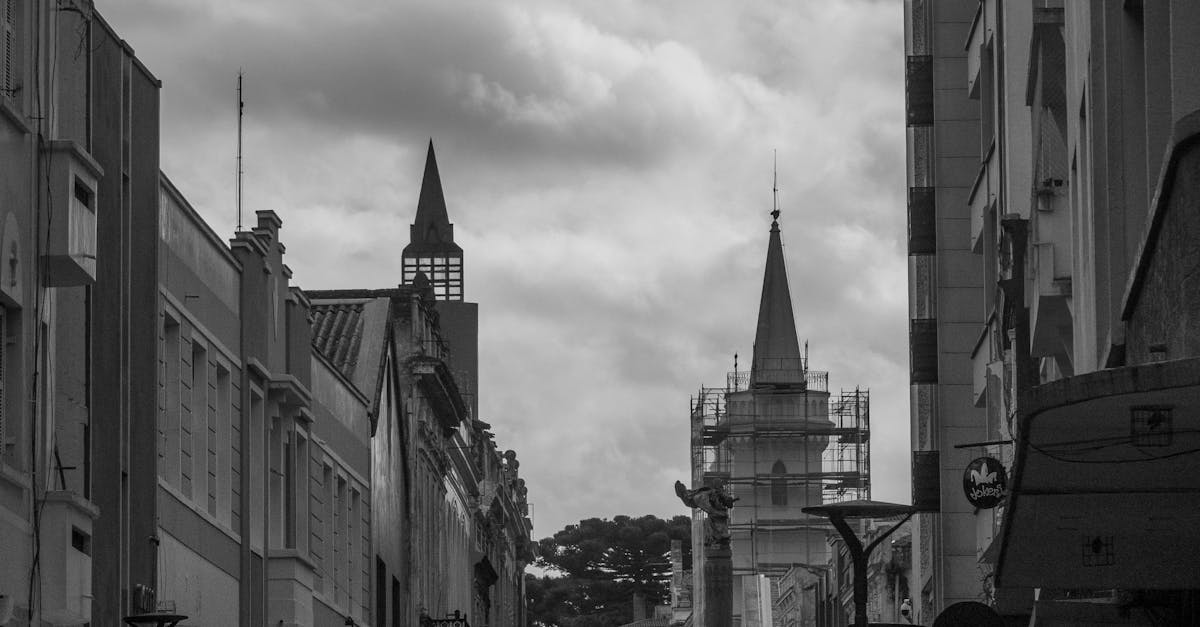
<point x="598" y="565"/>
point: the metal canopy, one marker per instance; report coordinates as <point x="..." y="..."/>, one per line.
<point x="860" y="509"/>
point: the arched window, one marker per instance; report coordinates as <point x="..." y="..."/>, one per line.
<point x="778" y="484"/>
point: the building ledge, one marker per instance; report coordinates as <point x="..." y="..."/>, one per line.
<point x="17" y="478"/>
<point x="10" y="112"/>
<point x="437" y="382"/>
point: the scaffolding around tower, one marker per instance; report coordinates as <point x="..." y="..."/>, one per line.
<point x="845" y="473"/>
<point x="813" y="447"/>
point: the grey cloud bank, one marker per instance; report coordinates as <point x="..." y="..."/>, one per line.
<point x="608" y="170"/>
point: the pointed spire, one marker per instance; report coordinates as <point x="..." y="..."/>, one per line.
<point x="777" y="358"/>
<point x="431" y="229"/>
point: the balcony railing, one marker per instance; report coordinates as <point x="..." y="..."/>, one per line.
<point x="814" y="380"/>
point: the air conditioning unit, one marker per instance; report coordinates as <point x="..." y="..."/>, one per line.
<point x="66" y="558"/>
<point x="74" y="181"/>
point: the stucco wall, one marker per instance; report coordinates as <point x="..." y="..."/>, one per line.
<point x="1167" y="307"/>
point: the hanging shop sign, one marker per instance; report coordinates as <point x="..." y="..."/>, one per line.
<point x="985" y="482"/>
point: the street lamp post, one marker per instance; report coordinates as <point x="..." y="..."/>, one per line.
<point x="838" y="514"/>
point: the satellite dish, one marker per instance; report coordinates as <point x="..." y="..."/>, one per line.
<point x="968" y="614"/>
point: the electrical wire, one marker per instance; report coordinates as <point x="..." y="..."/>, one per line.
<point x="1148" y="458"/>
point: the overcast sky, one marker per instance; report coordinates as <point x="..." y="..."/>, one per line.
<point x="607" y="166"/>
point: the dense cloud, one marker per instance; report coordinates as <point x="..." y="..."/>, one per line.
<point x="608" y="167"/>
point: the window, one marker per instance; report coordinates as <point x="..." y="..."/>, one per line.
<point x="395" y="604"/>
<point x="918" y="90"/>
<point x="322" y="549"/>
<point x="987" y="102"/>
<point x="337" y="540"/>
<point x="779" y="488"/>
<point x="257" y="426"/>
<point x="5" y="445"/>
<point x="352" y="553"/>
<point x="300" y="493"/>
<point x="923" y="355"/>
<point x="168" y="423"/>
<point x="275" y="452"/>
<point x="221" y="466"/>
<point x="444" y="272"/>
<point x="84" y="195"/>
<point x="8" y="78"/>
<point x="922" y="221"/>
<point x="205" y="425"/>
<point x="189" y="434"/>
<point x="381" y="599"/>
<point x="235" y="452"/>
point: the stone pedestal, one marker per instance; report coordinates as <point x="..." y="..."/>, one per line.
<point x="718" y="586"/>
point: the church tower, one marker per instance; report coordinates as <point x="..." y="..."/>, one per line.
<point x="431" y="251"/>
<point x="431" y="248"/>
<point x="775" y="439"/>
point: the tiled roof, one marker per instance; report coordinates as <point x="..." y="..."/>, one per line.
<point x="337" y="332"/>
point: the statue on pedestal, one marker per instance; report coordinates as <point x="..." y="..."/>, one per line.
<point x="715" y="502"/>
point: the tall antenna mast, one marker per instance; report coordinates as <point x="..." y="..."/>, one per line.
<point x="241" y="105"/>
<point x="775" y="187"/>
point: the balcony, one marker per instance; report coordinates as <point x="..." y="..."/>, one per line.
<point x="71" y="251"/>
<point x="438" y="386"/>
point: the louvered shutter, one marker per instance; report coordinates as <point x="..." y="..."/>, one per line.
<point x="10" y="47"/>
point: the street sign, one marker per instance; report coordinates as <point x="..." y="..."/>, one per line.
<point x="985" y="482"/>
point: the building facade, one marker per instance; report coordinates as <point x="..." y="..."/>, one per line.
<point x="173" y="437"/>
<point x="451" y="520"/>
<point x="79" y="135"/>
<point x="1082" y="223"/>
<point x="946" y="298"/>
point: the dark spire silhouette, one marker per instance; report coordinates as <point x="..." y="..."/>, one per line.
<point x="431" y="229"/>
<point x="777" y="359"/>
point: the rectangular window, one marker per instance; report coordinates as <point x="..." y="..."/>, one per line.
<point x="923" y="351"/>
<point x="396" y="603"/>
<point x="300" y="493"/>
<point x="326" y="548"/>
<point x="918" y="90"/>
<point x="222" y="415"/>
<point x="926" y="487"/>
<point x="339" y="543"/>
<point x="188" y="438"/>
<point x="922" y="221"/>
<point x="203" y="427"/>
<point x="5" y="446"/>
<point x="168" y="429"/>
<point x="276" y="452"/>
<point x="381" y="599"/>
<point x="8" y="72"/>
<point x="236" y="444"/>
<point x="987" y="102"/>
<point x="352" y="552"/>
<point x="257" y="455"/>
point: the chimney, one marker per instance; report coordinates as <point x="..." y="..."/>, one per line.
<point x="639" y="606"/>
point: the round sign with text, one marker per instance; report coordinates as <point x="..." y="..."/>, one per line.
<point x="985" y="482"/>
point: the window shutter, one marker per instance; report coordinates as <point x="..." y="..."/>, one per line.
<point x="922" y="221"/>
<point x="926" y="482"/>
<point x="923" y="351"/>
<point x="10" y="45"/>
<point x="918" y="90"/>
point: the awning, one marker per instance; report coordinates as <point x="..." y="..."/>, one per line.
<point x="1105" y="490"/>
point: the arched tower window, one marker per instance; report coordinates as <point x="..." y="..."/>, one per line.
<point x="779" y="484"/>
